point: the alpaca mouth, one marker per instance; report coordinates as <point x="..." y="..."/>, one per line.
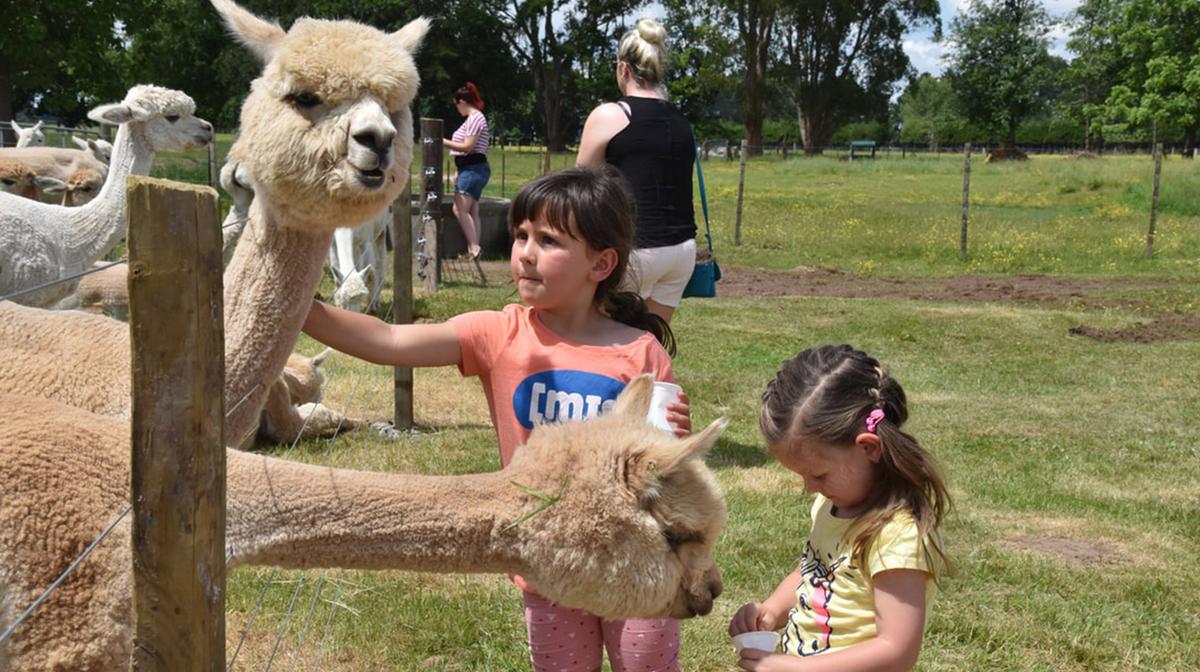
<point x="370" y="178"/>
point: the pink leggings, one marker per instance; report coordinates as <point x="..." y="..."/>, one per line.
<point x="570" y="640"/>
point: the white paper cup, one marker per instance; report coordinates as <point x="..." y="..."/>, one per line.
<point x="664" y="393"/>
<point x="763" y="640"/>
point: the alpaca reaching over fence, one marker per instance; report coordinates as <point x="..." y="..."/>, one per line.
<point x="29" y="137"/>
<point x="42" y="243"/>
<point x="633" y="518"/>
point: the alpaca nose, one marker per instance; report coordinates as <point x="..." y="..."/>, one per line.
<point x="378" y="140"/>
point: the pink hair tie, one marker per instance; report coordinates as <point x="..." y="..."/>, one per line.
<point x="873" y="419"/>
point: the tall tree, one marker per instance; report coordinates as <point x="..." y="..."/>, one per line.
<point x="842" y="58"/>
<point x="999" y="63"/>
<point x="755" y="23"/>
<point x="551" y="38"/>
<point x="1158" y="45"/>
<point x="1094" y="70"/>
<point x="702" y="77"/>
<point x="61" y="56"/>
<point x="928" y="114"/>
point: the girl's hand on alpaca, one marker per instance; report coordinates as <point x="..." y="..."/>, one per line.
<point x="679" y="414"/>
<point x="522" y="584"/>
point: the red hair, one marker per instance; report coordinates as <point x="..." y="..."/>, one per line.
<point x="470" y="95"/>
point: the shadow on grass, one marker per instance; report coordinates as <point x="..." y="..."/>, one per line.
<point x="732" y="453"/>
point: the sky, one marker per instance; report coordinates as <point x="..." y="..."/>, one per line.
<point x="926" y="55"/>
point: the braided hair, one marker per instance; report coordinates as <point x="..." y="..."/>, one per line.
<point x="833" y="393"/>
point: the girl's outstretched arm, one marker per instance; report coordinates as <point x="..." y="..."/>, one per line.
<point x="367" y="337"/>
<point x="900" y="624"/>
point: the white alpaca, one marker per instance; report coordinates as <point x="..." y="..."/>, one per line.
<point x="235" y="180"/>
<point x="99" y="148"/>
<point x="356" y="261"/>
<point x="40" y="243"/>
<point x="29" y="137"/>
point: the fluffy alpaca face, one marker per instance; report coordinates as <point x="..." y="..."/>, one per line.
<point x="642" y="528"/>
<point x="82" y="186"/>
<point x="327" y="130"/>
<point x="164" y="119"/>
<point x="29" y="137"/>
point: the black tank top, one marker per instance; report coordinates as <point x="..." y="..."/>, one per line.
<point x="655" y="153"/>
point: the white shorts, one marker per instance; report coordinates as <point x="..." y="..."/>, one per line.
<point x="661" y="273"/>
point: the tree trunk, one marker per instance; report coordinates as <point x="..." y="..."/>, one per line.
<point x="1010" y="141"/>
<point x="6" y="101"/>
<point x="1189" y="142"/>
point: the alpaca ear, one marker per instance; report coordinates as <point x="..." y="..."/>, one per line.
<point x="50" y="185"/>
<point x="38" y="126"/>
<point x="259" y="35"/>
<point x="81" y="143"/>
<point x="412" y="34"/>
<point x="642" y="471"/>
<point x="320" y="358"/>
<point x="635" y="398"/>
<point x="15" y="126"/>
<point x="368" y="273"/>
<point x="111" y="113"/>
<point x="695" y="446"/>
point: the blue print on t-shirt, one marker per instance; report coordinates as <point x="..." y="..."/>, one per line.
<point x="563" y="394"/>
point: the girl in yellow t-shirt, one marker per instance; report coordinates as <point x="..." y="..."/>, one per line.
<point x="860" y="597"/>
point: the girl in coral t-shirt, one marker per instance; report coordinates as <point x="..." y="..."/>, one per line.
<point x="564" y="355"/>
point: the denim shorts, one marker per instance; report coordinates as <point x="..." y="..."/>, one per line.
<point x="472" y="179"/>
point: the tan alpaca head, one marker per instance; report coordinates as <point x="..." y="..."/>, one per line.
<point x="326" y="129"/>
<point x="304" y="377"/>
<point x="634" y="531"/>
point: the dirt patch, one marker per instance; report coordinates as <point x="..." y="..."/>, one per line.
<point x="1165" y="328"/>
<point x="1044" y="290"/>
<point x="1083" y="552"/>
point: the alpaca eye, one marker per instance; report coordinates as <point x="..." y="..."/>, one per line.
<point x="172" y="118"/>
<point x="304" y="99"/>
<point x="677" y="538"/>
<point x="8" y="182"/>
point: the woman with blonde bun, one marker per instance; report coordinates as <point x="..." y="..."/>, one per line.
<point x="650" y="141"/>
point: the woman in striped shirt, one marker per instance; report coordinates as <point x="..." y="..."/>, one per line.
<point x="469" y="146"/>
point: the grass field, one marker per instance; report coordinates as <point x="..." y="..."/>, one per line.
<point x="1074" y="461"/>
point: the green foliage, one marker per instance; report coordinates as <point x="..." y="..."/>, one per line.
<point x="841" y="58"/>
<point x="928" y="114"/>
<point x="999" y="63"/>
<point x="1157" y="44"/>
<point x="62" y="57"/>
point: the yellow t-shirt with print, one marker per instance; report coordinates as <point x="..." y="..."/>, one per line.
<point x="835" y="604"/>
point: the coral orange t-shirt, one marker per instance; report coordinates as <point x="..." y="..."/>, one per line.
<point x="532" y="375"/>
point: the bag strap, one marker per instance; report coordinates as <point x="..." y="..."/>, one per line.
<point x="703" y="201"/>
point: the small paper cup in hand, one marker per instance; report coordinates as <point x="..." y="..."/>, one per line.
<point x="664" y="393"/>
<point x="763" y="640"/>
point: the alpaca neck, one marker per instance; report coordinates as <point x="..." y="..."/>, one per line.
<point x="97" y="227"/>
<point x="269" y="287"/>
<point x="297" y="515"/>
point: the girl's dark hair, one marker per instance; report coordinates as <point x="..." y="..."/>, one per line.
<point x="594" y="206"/>
<point x="826" y="393"/>
<point x="469" y="94"/>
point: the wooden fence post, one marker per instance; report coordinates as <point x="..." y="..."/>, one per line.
<point x="402" y="301"/>
<point x="737" y="226"/>
<point x="966" y="199"/>
<point x="503" y="169"/>
<point x="546" y="161"/>
<point x="178" y="469"/>
<point x="1158" y="157"/>
<point x="431" y="200"/>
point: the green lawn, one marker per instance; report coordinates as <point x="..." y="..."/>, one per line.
<point x="1074" y="463"/>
